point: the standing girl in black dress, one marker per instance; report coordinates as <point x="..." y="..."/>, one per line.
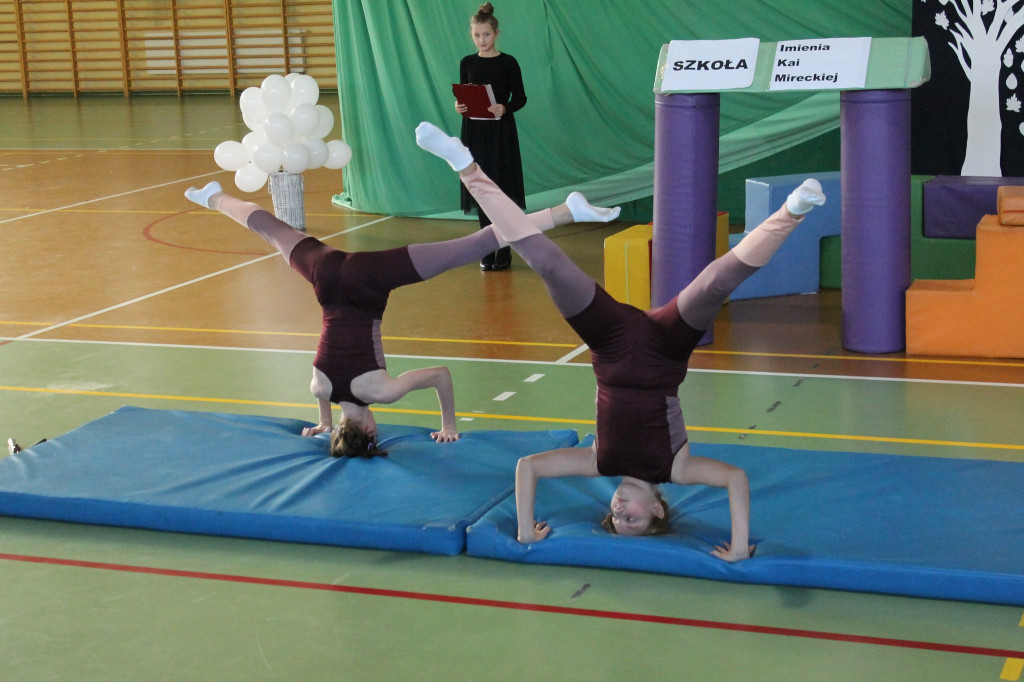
<point x="494" y="144"/>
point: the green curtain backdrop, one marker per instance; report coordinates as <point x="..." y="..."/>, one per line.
<point x="588" y="67"/>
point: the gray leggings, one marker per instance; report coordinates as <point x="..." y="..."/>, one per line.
<point x="572" y="290"/>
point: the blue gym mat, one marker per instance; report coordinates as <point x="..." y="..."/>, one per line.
<point x="916" y="526"/>
<point x="256" y="477"/>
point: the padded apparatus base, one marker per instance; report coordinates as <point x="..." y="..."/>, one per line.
<point x="256" y="477"/>
<point x="915" y="526"/>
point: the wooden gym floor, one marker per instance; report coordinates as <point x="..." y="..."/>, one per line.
<point x="116" y="290"/>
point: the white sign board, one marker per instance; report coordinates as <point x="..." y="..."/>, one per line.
<point x="709" y="65"/>
<point x="825" y="64"/>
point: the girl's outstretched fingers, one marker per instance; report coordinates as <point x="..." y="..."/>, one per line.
<point x="725" y="552"/>
<point x="445" y="436"/>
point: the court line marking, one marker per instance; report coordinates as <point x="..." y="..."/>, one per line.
<point x="512" y="417"/>
<point x="522" y="606"/>
<point x="566" y="359"/>
<point x="561" y="362"/>
<point x="863" y="358"/>
<point x="250" y="332"/>
<point x="579" y="349"/>
<point x="1012" y="669"/>
<point x="180" y="285"/>
<point x="36" y="214"/>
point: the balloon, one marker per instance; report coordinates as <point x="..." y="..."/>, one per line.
<point x="326" y="124"/>
<point x="251" y="104"/>
<point x="231" y="155"/>
<point x="276" y="93"/>
<point x="254" y="124"/>
<point x="305" y="90"/>
<point x="253" y="140"/>
<point x="317" y="153"/>
<point x="249" y="178"/>
<point x="295" y="157"/>
<point x="338" y="154"/>
<point x="267" y="157"/>
<point x="305" y="119"/>
<point x="291" y="77"/>
<point x="279" y="129"/>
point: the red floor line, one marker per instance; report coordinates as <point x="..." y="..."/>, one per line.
<point x="521" y="606"/>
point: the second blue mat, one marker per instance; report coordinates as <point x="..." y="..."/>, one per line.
<point x="917" y="526"/>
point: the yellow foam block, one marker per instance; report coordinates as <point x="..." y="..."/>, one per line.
<point x="721" y="234"/>
<point x="627" y="261"/>
<point x="627" y="265"/>
<point x="1010" y="199"/>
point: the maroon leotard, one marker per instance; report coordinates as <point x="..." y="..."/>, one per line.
<point x="353" y="290"/>
<point x="639" y="360"/>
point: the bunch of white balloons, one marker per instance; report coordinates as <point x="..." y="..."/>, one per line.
<point x="288" y="128"/>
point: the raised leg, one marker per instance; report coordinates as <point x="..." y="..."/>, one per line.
<point x="701" y="300"/>
<point x="275" y="232"/>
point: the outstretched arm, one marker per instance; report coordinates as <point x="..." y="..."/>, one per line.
<point x="320" y="387"/>
<point x="379" y="387"/>
<point x="693" y="470"/>
<point x="550" y="464"/>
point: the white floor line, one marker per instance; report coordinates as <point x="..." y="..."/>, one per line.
<point x="182" y="285"/>
<point x="572" y="354"/>
<point x="543" y="363"/>
<point x="111" y="196"/>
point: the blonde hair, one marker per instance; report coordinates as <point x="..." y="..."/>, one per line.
<point x="660" y="525"/>
<point x="351" y="440"/>
<point x="485" y="15"/>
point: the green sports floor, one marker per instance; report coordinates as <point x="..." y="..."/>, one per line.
<point x="115" y="290"/>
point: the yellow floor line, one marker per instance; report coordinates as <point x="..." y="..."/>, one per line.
<point x="729" y="353"/>
<point x="1012" y="669"/>
<point x="863" y="358"/>
<point x="303" y="334"/>
<point x="511" y="417"/>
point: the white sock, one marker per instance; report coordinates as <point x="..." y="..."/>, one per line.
<point x="437" y="142"/>
<point x="805" y="197"/>
<point x="584" y="212"/>
<point x="202" y="196"/>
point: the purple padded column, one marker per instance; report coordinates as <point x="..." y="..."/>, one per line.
<point x="685" y="191"/>
<point x="875" y="176"/>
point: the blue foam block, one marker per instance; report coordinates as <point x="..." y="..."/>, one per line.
<point x="256" y="477"/>
<point x="795" y="267"/>
<point x="917" y="526"/>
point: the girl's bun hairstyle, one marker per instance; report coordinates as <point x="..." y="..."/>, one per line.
<point x="485" y="15"/>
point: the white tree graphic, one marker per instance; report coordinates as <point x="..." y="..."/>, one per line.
<point x="980" y="36"/>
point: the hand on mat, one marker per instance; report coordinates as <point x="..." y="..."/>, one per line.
<point x="445" y="435"/>
<point x="314" y="430"/>
<point x="725" y="552"/>
<point x="540" y="531"/>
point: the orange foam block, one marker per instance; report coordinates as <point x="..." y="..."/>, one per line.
<point x="981" y="317"/>
<point x="1010" y="199"/>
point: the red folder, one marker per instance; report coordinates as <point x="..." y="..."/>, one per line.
<point x="477" y="98"/>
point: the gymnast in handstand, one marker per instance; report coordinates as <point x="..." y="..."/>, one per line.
<point x="353" y="290"/>
<point x="639" y="360"/>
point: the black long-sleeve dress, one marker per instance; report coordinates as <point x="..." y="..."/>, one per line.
<point x="495" y="144"/>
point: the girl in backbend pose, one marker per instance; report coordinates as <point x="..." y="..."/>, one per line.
<point x="639" y="360"/>
<point x="353" y="290"/>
